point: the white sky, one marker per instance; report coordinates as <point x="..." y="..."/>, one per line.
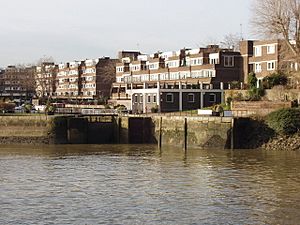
<point x="78" y="29"/>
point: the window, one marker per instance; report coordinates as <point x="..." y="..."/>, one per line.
<point x="154" y="98"/>
<point x="270" y="49"/>
<point x="214" y="58"/>
<point x="270" y="65"/>
<point x="153" y="66"/>
<point x="228" y="61"/>
<point x="120" y="69"/>
<point x="136" y="99"/>
<point x="169" y="97"/>
<point x="172" y="64"/>
<point x="212" y="98"/>
<point x="191" y="98"/>
<point x="214" y="61"/>
<point x="257" y="51"/>
<point x="257" y="67"/>
<point x="141" y="98"/>
<point x="149" y="98"/>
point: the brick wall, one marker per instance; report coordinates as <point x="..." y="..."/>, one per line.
<point x="256" y="108"/>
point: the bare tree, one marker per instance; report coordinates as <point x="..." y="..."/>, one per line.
<point x="45" y="77"/>
<point x="280" y="19"/>
<point x="106" y="76"/>
<point x="231" y="41"/>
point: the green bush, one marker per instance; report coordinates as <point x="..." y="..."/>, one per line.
<point x="284" y="121"/>
<point x="252" y="80"/>
<point x="255" y="94"/>
<point x="275" y="79"/>
<point x="50" y="109"/>
<point x="28" y="108"/>
<point x="235" y="84"/>
<point x="154" y="109"/>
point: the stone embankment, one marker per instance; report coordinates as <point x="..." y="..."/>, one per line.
<point x="200" y="132"/>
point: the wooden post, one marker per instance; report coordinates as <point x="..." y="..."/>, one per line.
<point x="119" y="129"/>
<point x="232" y="134"/>
<point x="185" y="134"/>
<point x="160" y="133"/>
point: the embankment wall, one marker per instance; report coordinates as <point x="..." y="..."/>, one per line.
<point x="202" y="132"/>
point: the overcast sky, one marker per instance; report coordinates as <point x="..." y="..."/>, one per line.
<point x="78" y="29"/>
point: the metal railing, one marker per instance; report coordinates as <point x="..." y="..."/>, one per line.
<point x="86" y="111"/>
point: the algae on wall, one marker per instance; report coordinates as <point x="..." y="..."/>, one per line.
<point x="202" y="132"/>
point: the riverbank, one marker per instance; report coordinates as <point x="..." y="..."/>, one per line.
<point x="199" y="132"/>
<point x="284" y="143"/>
<point x="253" y="133"/>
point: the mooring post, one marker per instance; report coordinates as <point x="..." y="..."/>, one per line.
<point x="185" y="135"/>
<point x="232" y="134"/>
<point x="160" y="133"/>
<point x="119" y="129"/>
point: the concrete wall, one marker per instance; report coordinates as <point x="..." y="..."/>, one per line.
<point x="201" y="132"/>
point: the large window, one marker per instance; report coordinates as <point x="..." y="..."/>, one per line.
<point x="169" y="97"/>
<point x="154" y="98"/>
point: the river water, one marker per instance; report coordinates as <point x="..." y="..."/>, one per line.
<point x="138" y="184"/>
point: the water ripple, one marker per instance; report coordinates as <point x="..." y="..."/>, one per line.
<point x="111" y="184"/>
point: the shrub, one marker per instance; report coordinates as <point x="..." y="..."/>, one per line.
<point x="235" y="85"/>
<point x="154" y="109"/>
<point x="284" y="121"/>
<point x="255" y="94"/>
<point x="28" y="108"/>
<point x="252" y="80"/>
<point x="50" y="109"/>
<point x="238" y="97"/>
<point x="275" y="79"/>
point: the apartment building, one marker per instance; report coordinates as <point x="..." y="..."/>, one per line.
<point x="175" y="81"/>
<point x="18" y="84"/>
<point x="2" y="71"/>
<point x="87" y="80"/>
<point x="45" y="78"/>
<point x="264" y="57"/>
<point x="67" y="80"/>
<point x="97" y="78"/>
